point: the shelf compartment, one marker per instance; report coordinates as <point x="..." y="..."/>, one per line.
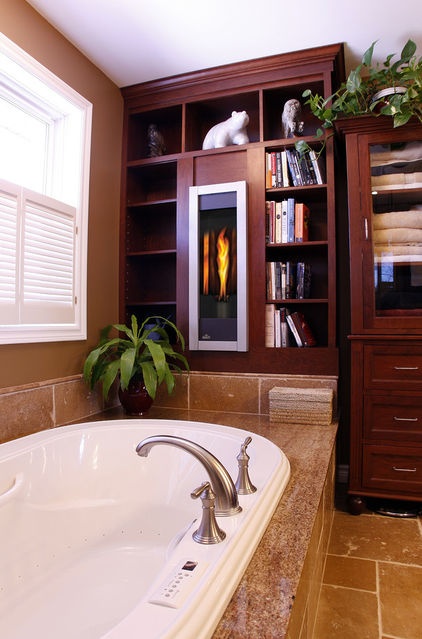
<point x="153" y="182"/>
<point x="316" y="316"/>
<point x="201" y="116"/>
<point x="142" y="311"/>
<point x="316" y="256"/>
<point x="151" y="227"/>
<point x="169" y="123"/>
<point x="274" y="101"/>
<point x="151" y="278"/>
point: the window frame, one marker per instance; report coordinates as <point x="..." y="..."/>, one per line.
<point x="76" y="329"/>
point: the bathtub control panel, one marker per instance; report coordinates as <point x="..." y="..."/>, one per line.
<point x="178" y="585"/>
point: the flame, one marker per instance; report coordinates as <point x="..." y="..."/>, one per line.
<point x="223" y="263"/>
<point x="206" y="269"/>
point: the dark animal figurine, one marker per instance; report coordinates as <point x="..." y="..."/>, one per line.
<point x="155" y="142"/>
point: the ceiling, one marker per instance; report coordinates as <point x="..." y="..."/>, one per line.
<point x="135" y="41"/>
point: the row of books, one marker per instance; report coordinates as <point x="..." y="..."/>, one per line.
<point x="288" y="280"/>
<point x="290" y="168"/>
<point x="284" y="328"/>
<point x="286" y="221"/>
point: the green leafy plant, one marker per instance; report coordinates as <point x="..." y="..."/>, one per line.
<point x="358" y="94"/>
<point x="144" y="352"/>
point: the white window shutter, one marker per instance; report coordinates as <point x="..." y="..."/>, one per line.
<point x="48" y="258"/>
<point x="38" y="274"/>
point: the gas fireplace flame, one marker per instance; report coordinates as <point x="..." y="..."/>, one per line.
<point x="223" y="263"/>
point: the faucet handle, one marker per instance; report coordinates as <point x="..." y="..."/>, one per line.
<point x="243" y="482"/>
<point x="209" y="531"/>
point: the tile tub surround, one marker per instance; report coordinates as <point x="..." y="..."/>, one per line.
<point x="278" y="594"/>
<point x="27" y="409"/>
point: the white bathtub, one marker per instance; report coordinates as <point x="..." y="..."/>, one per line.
<point x="91" y="533"/>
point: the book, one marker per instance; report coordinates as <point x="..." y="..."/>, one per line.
<point x="290" y="280"/>
<point x="284" y="169"/>
<point x="290" y="219"/>
<point x="303" y="280"/>
<point x="303" y="329"/>
<point x="278" y="223"/>
<point x="268" y="172"/>
<point x="284" y="329"/>
<point x="302" y="215"/>
<point x="269" y="325"/>
<point x="284" y="221"/>
<point x="293" y="328"/>
<point x="318" y="166"/>
<point x="277" y="328"/>
<point x="293" y="168"/>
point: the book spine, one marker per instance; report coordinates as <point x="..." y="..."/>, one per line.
<point x="278" y="222"/>
<point x="284" y="233"/>
<point x="285" y="169"/>
<point x="304" y="330"/>
<point x="268" y="172"/>
<point x="318" y="168"/>
<point x="292" y="168"/>
<point x="278" y="176"/>
<point x="293" y="328"/>
<point x="284" y="329"/>
<point x="302" y="215"/>
<point x="290" y="280"/>
<point x="277" y="328"/>
<point x="269" y="325"/>
<point x="290" y="219"/>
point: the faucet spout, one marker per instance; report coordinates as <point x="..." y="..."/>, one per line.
<point x="226" y="500"/>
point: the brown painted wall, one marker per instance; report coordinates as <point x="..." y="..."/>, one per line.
<point x="27" y="363"/>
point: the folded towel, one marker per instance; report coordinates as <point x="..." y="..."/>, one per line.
<point x="387" y="154"/>
<point x="399" y="219"/>
<point x="396" y="181"/>
<point x="397" y="236"/>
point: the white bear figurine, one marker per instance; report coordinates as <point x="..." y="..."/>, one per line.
<point x="231" y="131"/>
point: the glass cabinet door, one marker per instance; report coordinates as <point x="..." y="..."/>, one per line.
<point x="396" y="234"/>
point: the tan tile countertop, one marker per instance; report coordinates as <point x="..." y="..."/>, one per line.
<point x="261" y="605"/>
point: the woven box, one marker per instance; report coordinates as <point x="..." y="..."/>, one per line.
<point x="301" y="405"/>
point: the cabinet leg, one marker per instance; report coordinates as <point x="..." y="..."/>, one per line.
<point x="355" y="504"/>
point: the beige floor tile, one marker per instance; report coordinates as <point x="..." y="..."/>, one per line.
<point x="401" y="600"/>
<point x="346" y="614"/>
<point x="376" y="537"/>
<point x="351" y="572"/>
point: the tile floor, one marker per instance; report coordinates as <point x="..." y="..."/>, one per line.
<point x="372" y="586"/>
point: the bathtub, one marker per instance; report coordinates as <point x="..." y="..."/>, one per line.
<point x="93" y="537"/>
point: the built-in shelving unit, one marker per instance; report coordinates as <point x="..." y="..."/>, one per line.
<point x="155" y="198"/>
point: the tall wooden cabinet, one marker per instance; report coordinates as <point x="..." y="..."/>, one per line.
<point x="154" y="250"/>
<point x="384" y="169"/>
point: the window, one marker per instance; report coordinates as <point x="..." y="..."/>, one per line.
<point x="45" y="132"/>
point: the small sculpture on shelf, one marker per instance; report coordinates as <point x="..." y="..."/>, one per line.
<point x="231" y="131"/>
<point x="291" y="123"/>
<point x="155" y="142"/>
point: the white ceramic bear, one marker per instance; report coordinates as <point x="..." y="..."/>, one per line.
<point x="231" y="131"/>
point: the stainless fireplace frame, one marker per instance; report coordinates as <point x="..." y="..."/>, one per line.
<point x="238" y="193"/>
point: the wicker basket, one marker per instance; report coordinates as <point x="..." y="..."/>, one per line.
<point x="301" y="405"/>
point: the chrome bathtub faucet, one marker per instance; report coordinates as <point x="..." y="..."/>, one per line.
<point x="226" y="500"/>
<point x="209" y="532"/>
<point x="243" y="484"/>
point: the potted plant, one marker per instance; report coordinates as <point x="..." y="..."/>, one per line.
<point x="142" y="359"/>
<point x="392" y="88"/>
